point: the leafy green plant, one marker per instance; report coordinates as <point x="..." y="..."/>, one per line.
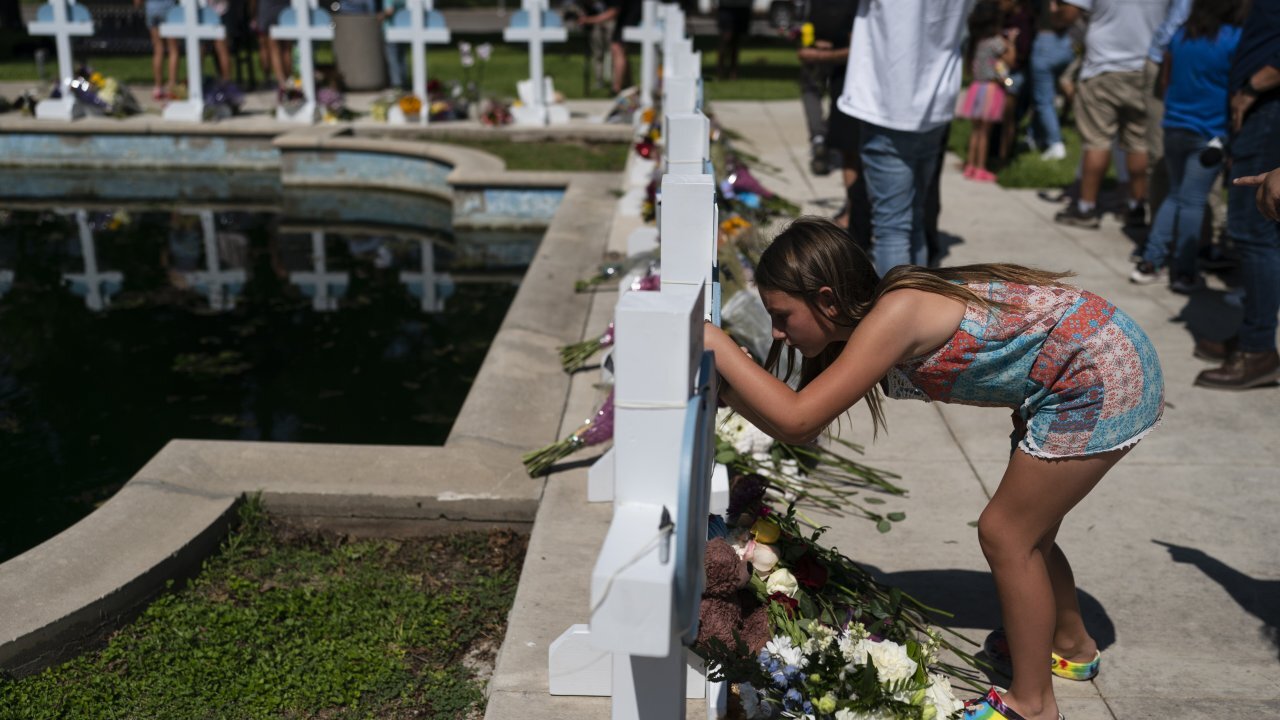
<point x="285" y="624"/>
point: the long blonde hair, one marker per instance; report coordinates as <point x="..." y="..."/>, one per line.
<point x="812" y="253"/>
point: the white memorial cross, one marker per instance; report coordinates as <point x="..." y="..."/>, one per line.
<point x="682" y="79"/>
<point x="672" y="16"/>
<point x="305" y="25"/>
<point x="534" y="24"/>
<point x="193" y="22"/>
<point x="649" y="34"/>
<point x="62" y="19"/>
<point x="220" y="286"/>
<point x="318" y="283"/>
<point x="91" y="281"/>
<point x="427" y="280"/>
<point x="417" y="24"/>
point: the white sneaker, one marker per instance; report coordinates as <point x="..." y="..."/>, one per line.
<point x="1056" y="151"/>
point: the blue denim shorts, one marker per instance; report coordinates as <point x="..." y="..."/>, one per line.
<point x="158" y="11"/>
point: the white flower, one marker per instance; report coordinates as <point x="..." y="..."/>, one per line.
<point x="820" y="638"/>
<point x="746" y="439"/>
<point x="940" y="696"/>
<point x="786" y="651"/>
<point x="847" y="714"/>
<point x="854" y="650"/>
<point x="762" y="557"/>
<point x="891" y="661"/>
<point x="781" y="580"/>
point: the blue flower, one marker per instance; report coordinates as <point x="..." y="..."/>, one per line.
<point x="792" y="700"/>
<point x="778" y="678"/>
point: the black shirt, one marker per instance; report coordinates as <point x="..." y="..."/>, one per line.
<point x="833" y="20"/>
<point x="1259" y="43"/>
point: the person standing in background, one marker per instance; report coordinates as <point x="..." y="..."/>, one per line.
<point x="1157" y="174"/>
<point x="823" y="54"/>
<point x="901" y="85"/>
<point x="1250" y="360"/>
<point x="733" y="20"/>
<point x="1051" y="52"/>
<point x="1110" y="101"/>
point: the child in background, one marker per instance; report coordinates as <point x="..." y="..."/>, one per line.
<point x="990" y="54"/>
<point x="1082" y="378"/>
<point x="157" y="12"/>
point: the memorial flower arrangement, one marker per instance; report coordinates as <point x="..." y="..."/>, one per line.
<point x="839" y="645"/>
<point x="812" y="472"/>
<point x="574" y="356"/>
<point x="102" y="94"/>
<point x="495" y="113"/>
<point x="595" y="430"/>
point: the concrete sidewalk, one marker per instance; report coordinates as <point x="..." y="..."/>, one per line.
<point x="1185" y="632"/>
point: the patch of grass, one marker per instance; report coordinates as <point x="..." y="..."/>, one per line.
<point x="283" y="624"/>
<point x="1025" y="169"/>
<point x="556" y="157"/>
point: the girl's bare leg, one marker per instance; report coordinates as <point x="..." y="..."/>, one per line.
<point x="172" y="47"/>
<point x="1016" y="531"/>
<point x="157" y="57"/>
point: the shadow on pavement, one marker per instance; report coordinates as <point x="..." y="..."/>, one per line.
<point x="970" y="596"/>
<point x="1260" y="598"/>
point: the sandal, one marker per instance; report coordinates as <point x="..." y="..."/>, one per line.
<point x="992" y="707"/>
<point x="996" y="646"/>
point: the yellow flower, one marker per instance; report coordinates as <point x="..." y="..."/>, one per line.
<point x="826" y="704"/>
<point x="765" y="531"/>
<point x="410" y="105"/>
<point x="647" y="115"/>
<point x="97" y="79"/>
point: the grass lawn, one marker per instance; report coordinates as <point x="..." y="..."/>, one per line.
<point x="285" y="624"/>
<point x="561" y="156"/>
<point x="1025" y="168"/>
<point x="768" y="68"/>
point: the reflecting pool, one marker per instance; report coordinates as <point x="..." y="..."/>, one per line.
<point x="125" y="326"/>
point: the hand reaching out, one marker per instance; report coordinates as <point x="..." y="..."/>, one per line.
<point x="1268" y="197"/>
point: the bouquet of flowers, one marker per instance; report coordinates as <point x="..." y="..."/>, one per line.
<point x="222" y="100"/>
<point x="807" y="472"/>
<point x="840" y="645"/>
<point x="597" y="429"/>
<point x="574" y="356"/>
<point x="645" y="264"/>
<point x="103" y="95"/>
<point x="495" y="113"/>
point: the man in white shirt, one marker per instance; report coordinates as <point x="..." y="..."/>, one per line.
<point x="1110" y="102"/>
<point x="905" y="63"/>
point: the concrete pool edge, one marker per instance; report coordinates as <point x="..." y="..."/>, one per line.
<point x="74" y="588"/>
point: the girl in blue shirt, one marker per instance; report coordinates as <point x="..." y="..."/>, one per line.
<point x="1196" y="70"/>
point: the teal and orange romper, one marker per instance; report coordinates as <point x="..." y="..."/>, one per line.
<point x="1080" y="375"/>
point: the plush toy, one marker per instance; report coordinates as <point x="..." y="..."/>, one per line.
<point x="728" y="607"/>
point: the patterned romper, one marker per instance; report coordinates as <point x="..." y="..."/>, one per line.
<point x="1080" y="375"/>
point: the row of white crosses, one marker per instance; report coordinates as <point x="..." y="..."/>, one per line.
<point x="221" y="285"/>
<point x="646" y="585"/>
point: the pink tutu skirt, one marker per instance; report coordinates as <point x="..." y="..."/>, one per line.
<point x="982" y="101"/>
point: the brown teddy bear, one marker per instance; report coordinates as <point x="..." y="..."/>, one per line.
<point x="728" y="607"/>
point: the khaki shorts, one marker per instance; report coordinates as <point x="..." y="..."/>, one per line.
<point x="1112" y="106"/>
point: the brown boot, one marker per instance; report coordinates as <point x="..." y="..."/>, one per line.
<point x="1242" y="370"/>
<point x="1214" y="350"/>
